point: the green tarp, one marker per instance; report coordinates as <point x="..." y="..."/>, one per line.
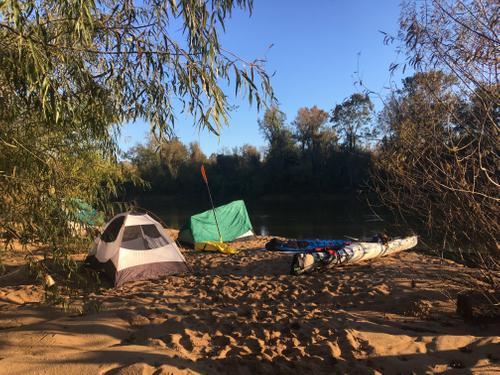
<point x="233" y="222"/>
<point x="84" y="213"/>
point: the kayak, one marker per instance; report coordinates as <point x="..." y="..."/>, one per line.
<point x="355" y="252"/>
<point x="300" y="246"/>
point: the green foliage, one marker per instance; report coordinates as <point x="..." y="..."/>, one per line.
<point x="351" y="119"/>
<point x="282" y="154"/>
<point x="309" y="128"/>
<point x="70" y="72"/>
<point x="131" y="51"/>
<point x="173" y="154"/>
<point x="244" y="172"/>
<point x="273" y="126"/>
<point x="44" y="168"/>
<point x="317" y="144"/>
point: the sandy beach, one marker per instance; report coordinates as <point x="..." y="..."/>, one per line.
<point x="244" y="314"/>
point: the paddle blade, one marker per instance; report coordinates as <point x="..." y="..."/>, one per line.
<point x="203" y="174"/>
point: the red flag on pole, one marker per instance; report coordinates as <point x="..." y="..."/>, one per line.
<point x="203" y="174"/>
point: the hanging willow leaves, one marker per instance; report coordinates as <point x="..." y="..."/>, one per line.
<point x="133" y="50"/>
<point x="70" y="71"/>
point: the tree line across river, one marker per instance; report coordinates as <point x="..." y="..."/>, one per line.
<point x="318" y="152"/>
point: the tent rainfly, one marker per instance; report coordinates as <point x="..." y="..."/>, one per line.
<point x="233" y="221"/>
<point x="134" y="246"/>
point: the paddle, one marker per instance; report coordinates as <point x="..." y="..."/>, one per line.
<point x="204" y="175"/>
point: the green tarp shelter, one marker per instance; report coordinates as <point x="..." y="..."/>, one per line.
<point x="233" y="221"/>
<point x="85" y="214"/>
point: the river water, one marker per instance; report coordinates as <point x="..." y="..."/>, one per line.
<point x="335" y="217"/>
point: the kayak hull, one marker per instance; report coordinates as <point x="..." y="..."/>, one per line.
<point x="350" y="254"/>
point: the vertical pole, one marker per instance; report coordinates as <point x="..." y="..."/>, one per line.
<point x="204" y="175"/>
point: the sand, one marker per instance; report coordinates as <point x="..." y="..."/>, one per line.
<point x="243" y="314"/>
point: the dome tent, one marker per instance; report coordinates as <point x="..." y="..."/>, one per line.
<point x="134" y="246"/>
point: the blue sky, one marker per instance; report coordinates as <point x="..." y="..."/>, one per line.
<point x="316" y="49"/>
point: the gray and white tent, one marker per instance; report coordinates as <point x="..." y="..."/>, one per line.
<point x="134" y="246"/>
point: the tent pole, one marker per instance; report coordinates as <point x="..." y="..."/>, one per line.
<point x="203" y="174"/>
